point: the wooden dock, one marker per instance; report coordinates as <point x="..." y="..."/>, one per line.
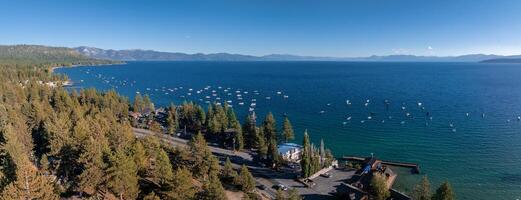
<point x="415" y="167"/>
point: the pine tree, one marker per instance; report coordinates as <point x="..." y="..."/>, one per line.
<point x="379" y="188"/>
<point x="444" y="192"/>
<point x="163" y="168"/>
<point x="261" y="143"/>
<point x="147" y="103"/>
<point x="122" y="176"/>
<point x="280" y="195"/>
<point x="180" y="187"/>
<point x="138" y="103"/>
<point x="172" y="120"/>
<point x="213" y="189"/>
<point x="305" y="161"/>
<point x="201" y="155"/>
<point x="93" y="166"/>
<point x="422" y="191"/>
<point x="228" y="172"/>
<point x="250" y="131"/>
<point x="247" y="181"/>
<point x="287" y="130"/>
<point x="29" y="184"/>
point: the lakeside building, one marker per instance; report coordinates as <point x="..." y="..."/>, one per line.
<point x="358" y="187"/>
<point x="290" y="152"/>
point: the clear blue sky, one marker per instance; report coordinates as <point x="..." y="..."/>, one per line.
<point x="320" y="28"/>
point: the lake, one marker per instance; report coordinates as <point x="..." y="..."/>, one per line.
<point x="459" y="121"/>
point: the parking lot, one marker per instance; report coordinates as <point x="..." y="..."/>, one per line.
<point x="324" y="188"/>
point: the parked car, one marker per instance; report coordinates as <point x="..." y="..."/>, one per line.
<point x="327" y="175"/>
<point x="280" y="186"/>
<point x="262" y="187"/>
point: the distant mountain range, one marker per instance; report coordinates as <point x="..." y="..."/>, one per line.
<point x="150" y="55"/>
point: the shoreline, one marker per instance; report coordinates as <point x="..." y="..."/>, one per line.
<point x="72" y="66"/>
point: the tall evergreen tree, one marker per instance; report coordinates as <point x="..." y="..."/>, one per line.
<point x="122" y="176"/>
<point x="172" y="120"/>
<point x="247" y="181"/>
<point x="180" y="187"/>
<point x="422" y="191"/>
<point x="138" y="103"/>
<point x="30" y="184"/>
<point x="287" y="131"/>
<point x="444" y="192"/>
<point x="228" y="172"/>
<point x="379" y="188"/>
<point x="212" y="189"/>
<point x="305" y="161"/>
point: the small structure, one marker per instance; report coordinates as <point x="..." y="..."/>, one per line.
<point x="359" y="184"/>
<point x="290" y="151"/>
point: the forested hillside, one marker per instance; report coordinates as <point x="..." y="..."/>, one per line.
<point x="43" y="56"/>
<point x="60" y="144"/>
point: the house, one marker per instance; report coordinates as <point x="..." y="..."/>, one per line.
<point x="290" y="151"/>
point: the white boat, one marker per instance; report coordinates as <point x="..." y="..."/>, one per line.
<point x="328" y="104"/>
<point x="241" y="103"/>
<point x="403" y="122"/>
<point x="253" y="104"/>
<point x="366" y="104"/>
<point x="419" y="104"/>
<point x="251" y="109"/>
<point x="403" y="107"/>
<point x="322" y="112"/>
<point x="369" y="117"/>
<point x="229" y="101"/>
<point x="279" y="92"/>
<point x="363" y="121"/>
<point x="253" y="100"/>
<point x="348" y="102"/>
<point x="348" y="118"/>
<point x="268" y="98"/>
<point x="286" y="96"/>
<point x="344" y="123"/>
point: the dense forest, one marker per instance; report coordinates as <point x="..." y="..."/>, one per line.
<point x="56" y="143"/>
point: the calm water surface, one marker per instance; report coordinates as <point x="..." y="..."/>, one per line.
<point x="480" y="154"/>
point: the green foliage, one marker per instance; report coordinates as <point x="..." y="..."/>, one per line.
<point x="172" y="119"/>
<point x="422" y="191"/>
<point x="247" y="182"/>
<point x="180" y="187"/>
<point x="122" y="176"/>
<point x="287" y="130"/>
<point x="228" y="172"/>
<point x="379" y="188"/>
<point x="212" y="189"/>
<point x="444" y="192"/>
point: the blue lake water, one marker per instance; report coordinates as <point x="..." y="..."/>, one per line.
<point x="480" y="154"/>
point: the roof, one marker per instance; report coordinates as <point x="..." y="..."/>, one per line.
<point x="286" y="147"/>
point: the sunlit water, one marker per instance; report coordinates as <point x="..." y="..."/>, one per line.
<point x="480" y="154"/>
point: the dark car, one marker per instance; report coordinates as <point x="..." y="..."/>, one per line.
<point x="262" y="187"/>
<point x="280" y="186"/>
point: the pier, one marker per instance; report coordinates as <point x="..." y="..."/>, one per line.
<point x="415" y="167"/>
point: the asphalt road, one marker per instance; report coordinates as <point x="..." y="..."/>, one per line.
<point x="264" y="176"/>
